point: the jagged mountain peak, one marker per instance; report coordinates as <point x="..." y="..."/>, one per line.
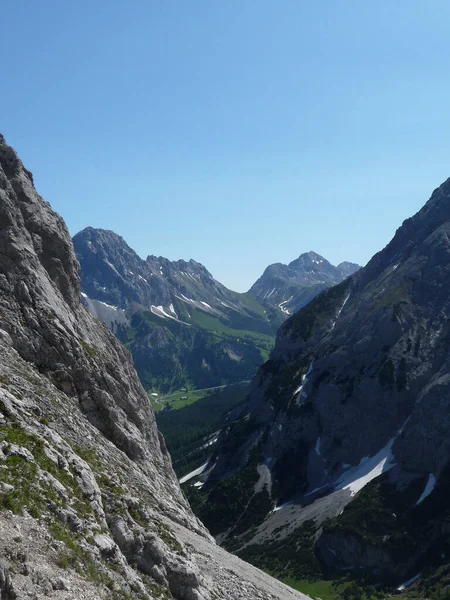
<point x="29" y="224"/>
<point x="308" y="258"/>
<point x="290" y="287"/>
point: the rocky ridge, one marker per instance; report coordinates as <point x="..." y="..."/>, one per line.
<point x="344" y="444"/>
<point x="89" y="505"/>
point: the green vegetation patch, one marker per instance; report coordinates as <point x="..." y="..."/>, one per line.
<point x="22" y="475"/>
<point x="90" y="351"/>
<point x="167" y="536"/>
<point x="286" y="379"/>
<point x="187" y="430"/>
<point x="208" y="351"/>
<point x="227" y="502"/>
<point x="292" y="556"/>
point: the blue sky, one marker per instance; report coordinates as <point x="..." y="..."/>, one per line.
<point x="239" y="132"/>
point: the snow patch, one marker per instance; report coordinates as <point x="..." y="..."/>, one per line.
<point x="84" y="295"/>
<point x="369" y="468"/>
<point x="282" y="307"/>
<point x="333" y="325"/>
<point x="159" y="311"/>
<point x="192" y="474"/>
<point x="277" y="508"/>
<point x="428" y="488"/>
<point x="299" y="389"/>
<point x="140" y="277"/>
<point x="301" y="395"/>
<point x="108" y="305"/>
<point x="268" y="294"/>
<point x="408" y="583"/>
<point x="317" y="448"/>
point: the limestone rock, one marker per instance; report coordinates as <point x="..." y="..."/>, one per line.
<point x="94" y="471"/>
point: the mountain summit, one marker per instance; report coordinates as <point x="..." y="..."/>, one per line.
<point x="290" y="287"/>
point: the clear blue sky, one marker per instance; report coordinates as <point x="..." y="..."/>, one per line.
<point x="235" y="132"/>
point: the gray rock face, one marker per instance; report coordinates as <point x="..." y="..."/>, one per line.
<point x="290" y="287"/>
<point x="111" y="271"/>
<point x="6" y="588"/>
<point x="79" y="444"/>
<point x="355" y="399"/>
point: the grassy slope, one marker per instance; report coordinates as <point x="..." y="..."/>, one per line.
<point x="209" y="351"/>
<point x="177" y="400"/>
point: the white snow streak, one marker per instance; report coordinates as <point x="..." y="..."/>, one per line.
<point x="408" y="583"/>
<point x="317" y="448"/>
<point x="160" y="311"/>
<point x="108" y="305"/>
<point x="339" y="312"/>
<point x="277" y="508"/>
<point x="299" y="390"/>
<point x="428" y="488"/>
<point x="369" y="468"/>
<point x="84" y="295"/>
<point x="281" y="306"/>
<point x="192" y="474"/>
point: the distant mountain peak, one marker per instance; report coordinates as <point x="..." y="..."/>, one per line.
<point x="290" y="287"/>
<point x="308" y="258"/>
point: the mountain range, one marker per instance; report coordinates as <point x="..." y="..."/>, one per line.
<point x="184" y="328"/>
<point x="339" y="461"/>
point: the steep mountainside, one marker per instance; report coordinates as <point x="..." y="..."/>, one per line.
<point x="182" y="326"/>
<point x="347" y="430"/>
<point x="89" y="505"/>
<point x="290" y="287"/>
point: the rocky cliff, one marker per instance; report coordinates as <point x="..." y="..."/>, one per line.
<point x="344" y="446"/>
<point x="89" y="505"/>
<point x="287" y="288"/>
